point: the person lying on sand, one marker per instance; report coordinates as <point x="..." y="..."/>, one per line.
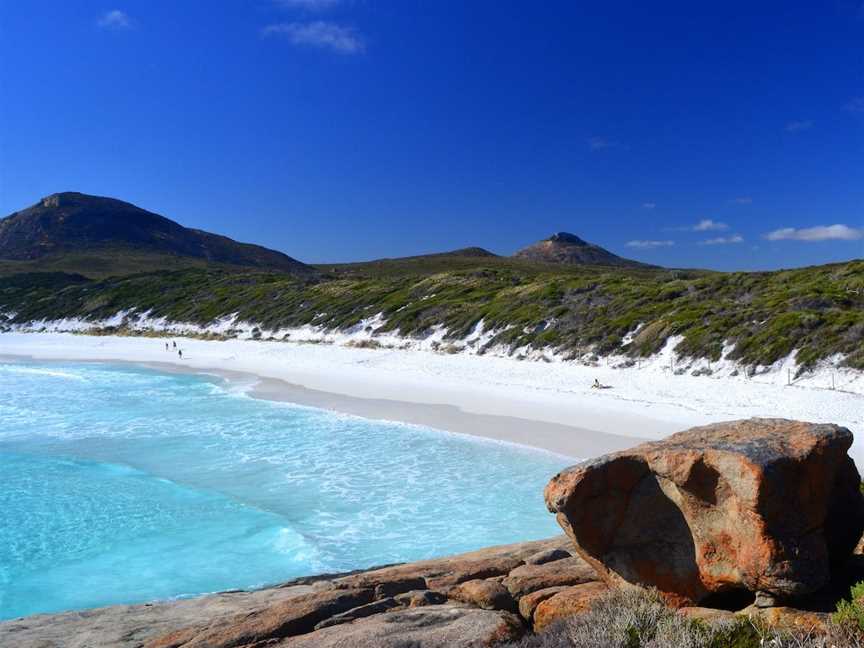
<point x="598" y="385"/>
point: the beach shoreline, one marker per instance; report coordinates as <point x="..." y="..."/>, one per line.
<point x="568" y="441"/>
<point x="547" y="406"/>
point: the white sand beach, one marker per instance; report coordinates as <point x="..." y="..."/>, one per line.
<point x="546" y="405"/>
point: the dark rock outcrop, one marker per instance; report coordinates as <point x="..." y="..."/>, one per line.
<point x="765" y="505"/>
<point x="543" y="557"/>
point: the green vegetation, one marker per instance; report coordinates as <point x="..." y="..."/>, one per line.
<point x="640" y="619"/>
<point x="103" y="262"/>
<point x="576" y="309"/>
<point x="850" y="613"/>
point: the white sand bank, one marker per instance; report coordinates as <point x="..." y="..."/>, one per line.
<point x="547" y="405"/>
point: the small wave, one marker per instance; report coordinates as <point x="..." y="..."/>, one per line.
<point x="232" y="386"/>
<point x="52" y="373"/>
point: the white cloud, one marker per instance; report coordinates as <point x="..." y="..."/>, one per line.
<point x="723" y="240"/>
<point x="649" y="205"/>
<point x="600" y="143"/>
<point x="798" y="126"/>
<point x="649" y="244"/>
<point x="818" y="233"/>
<point x="742" y="200"/>
<point x="319" y="33"/>
<point x="115" y="19"/>
<point x="708" y="225"/>
<point x="704" y="225"/>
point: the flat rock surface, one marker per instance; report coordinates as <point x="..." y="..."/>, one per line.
<point x="295" y="616"/>
<point x="131" y="625"/>
<point x="486" y="594"/>
<point x="440" y="626"/>
<point x="525" y="579"/>
<point x="444" y="573"/>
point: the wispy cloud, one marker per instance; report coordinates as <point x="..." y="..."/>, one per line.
<point x="799" y="126"/>
<point x="598" y="143"/>
<point x="723" y="240"/>
<point x="308" y="5"/>
<point x="818" y="233"/>
<point x="115" y="19"/>
<point x="649" y="244"/>
<point x="708" y="225"/>
<point x="742" y="200"/>
<point x="704" y="225"/>
<point x="320" y="34"/>
<point x="856" y="105"/>
<point x="649" y="205"/>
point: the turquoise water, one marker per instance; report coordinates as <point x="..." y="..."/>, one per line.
<point x="122" y="485"/>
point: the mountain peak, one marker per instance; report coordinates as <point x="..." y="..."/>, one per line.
<point x="73" y="222"/>
<point x="70" y="198"/>
<point x="567" y="237"/>
<point x="569" y="249"/>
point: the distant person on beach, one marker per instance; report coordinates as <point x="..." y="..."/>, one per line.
<point x="174" y="343"/>
<point x="180" y="353"/>
<point x="596" y="384"/>
<point x="166" y="346"/>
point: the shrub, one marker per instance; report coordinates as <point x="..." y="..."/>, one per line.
<point x="363" y="344"/>
<point x="640" y="619"/>
<point x="629" y="619"/>
<point x="850" y="614"/>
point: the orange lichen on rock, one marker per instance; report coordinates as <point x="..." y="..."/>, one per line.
<point x="762" y="504"/>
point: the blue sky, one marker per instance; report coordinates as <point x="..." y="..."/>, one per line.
<point x="722" y="135"/>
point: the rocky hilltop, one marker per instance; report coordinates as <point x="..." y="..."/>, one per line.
<point x="68" y="223"/>
<point x="754" y="519"/>
<point x="569" y="249"/>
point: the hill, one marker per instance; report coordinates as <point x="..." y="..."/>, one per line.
<point x="473" y="258"/>
<point x="99" y="236"/>
<point x="469" y="257"/>
<point x="569" y="249"/>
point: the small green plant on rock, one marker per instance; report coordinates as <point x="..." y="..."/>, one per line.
<point x="850" y="614"/>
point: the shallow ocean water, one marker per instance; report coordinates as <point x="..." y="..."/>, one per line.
<point x="123" y="484"/>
